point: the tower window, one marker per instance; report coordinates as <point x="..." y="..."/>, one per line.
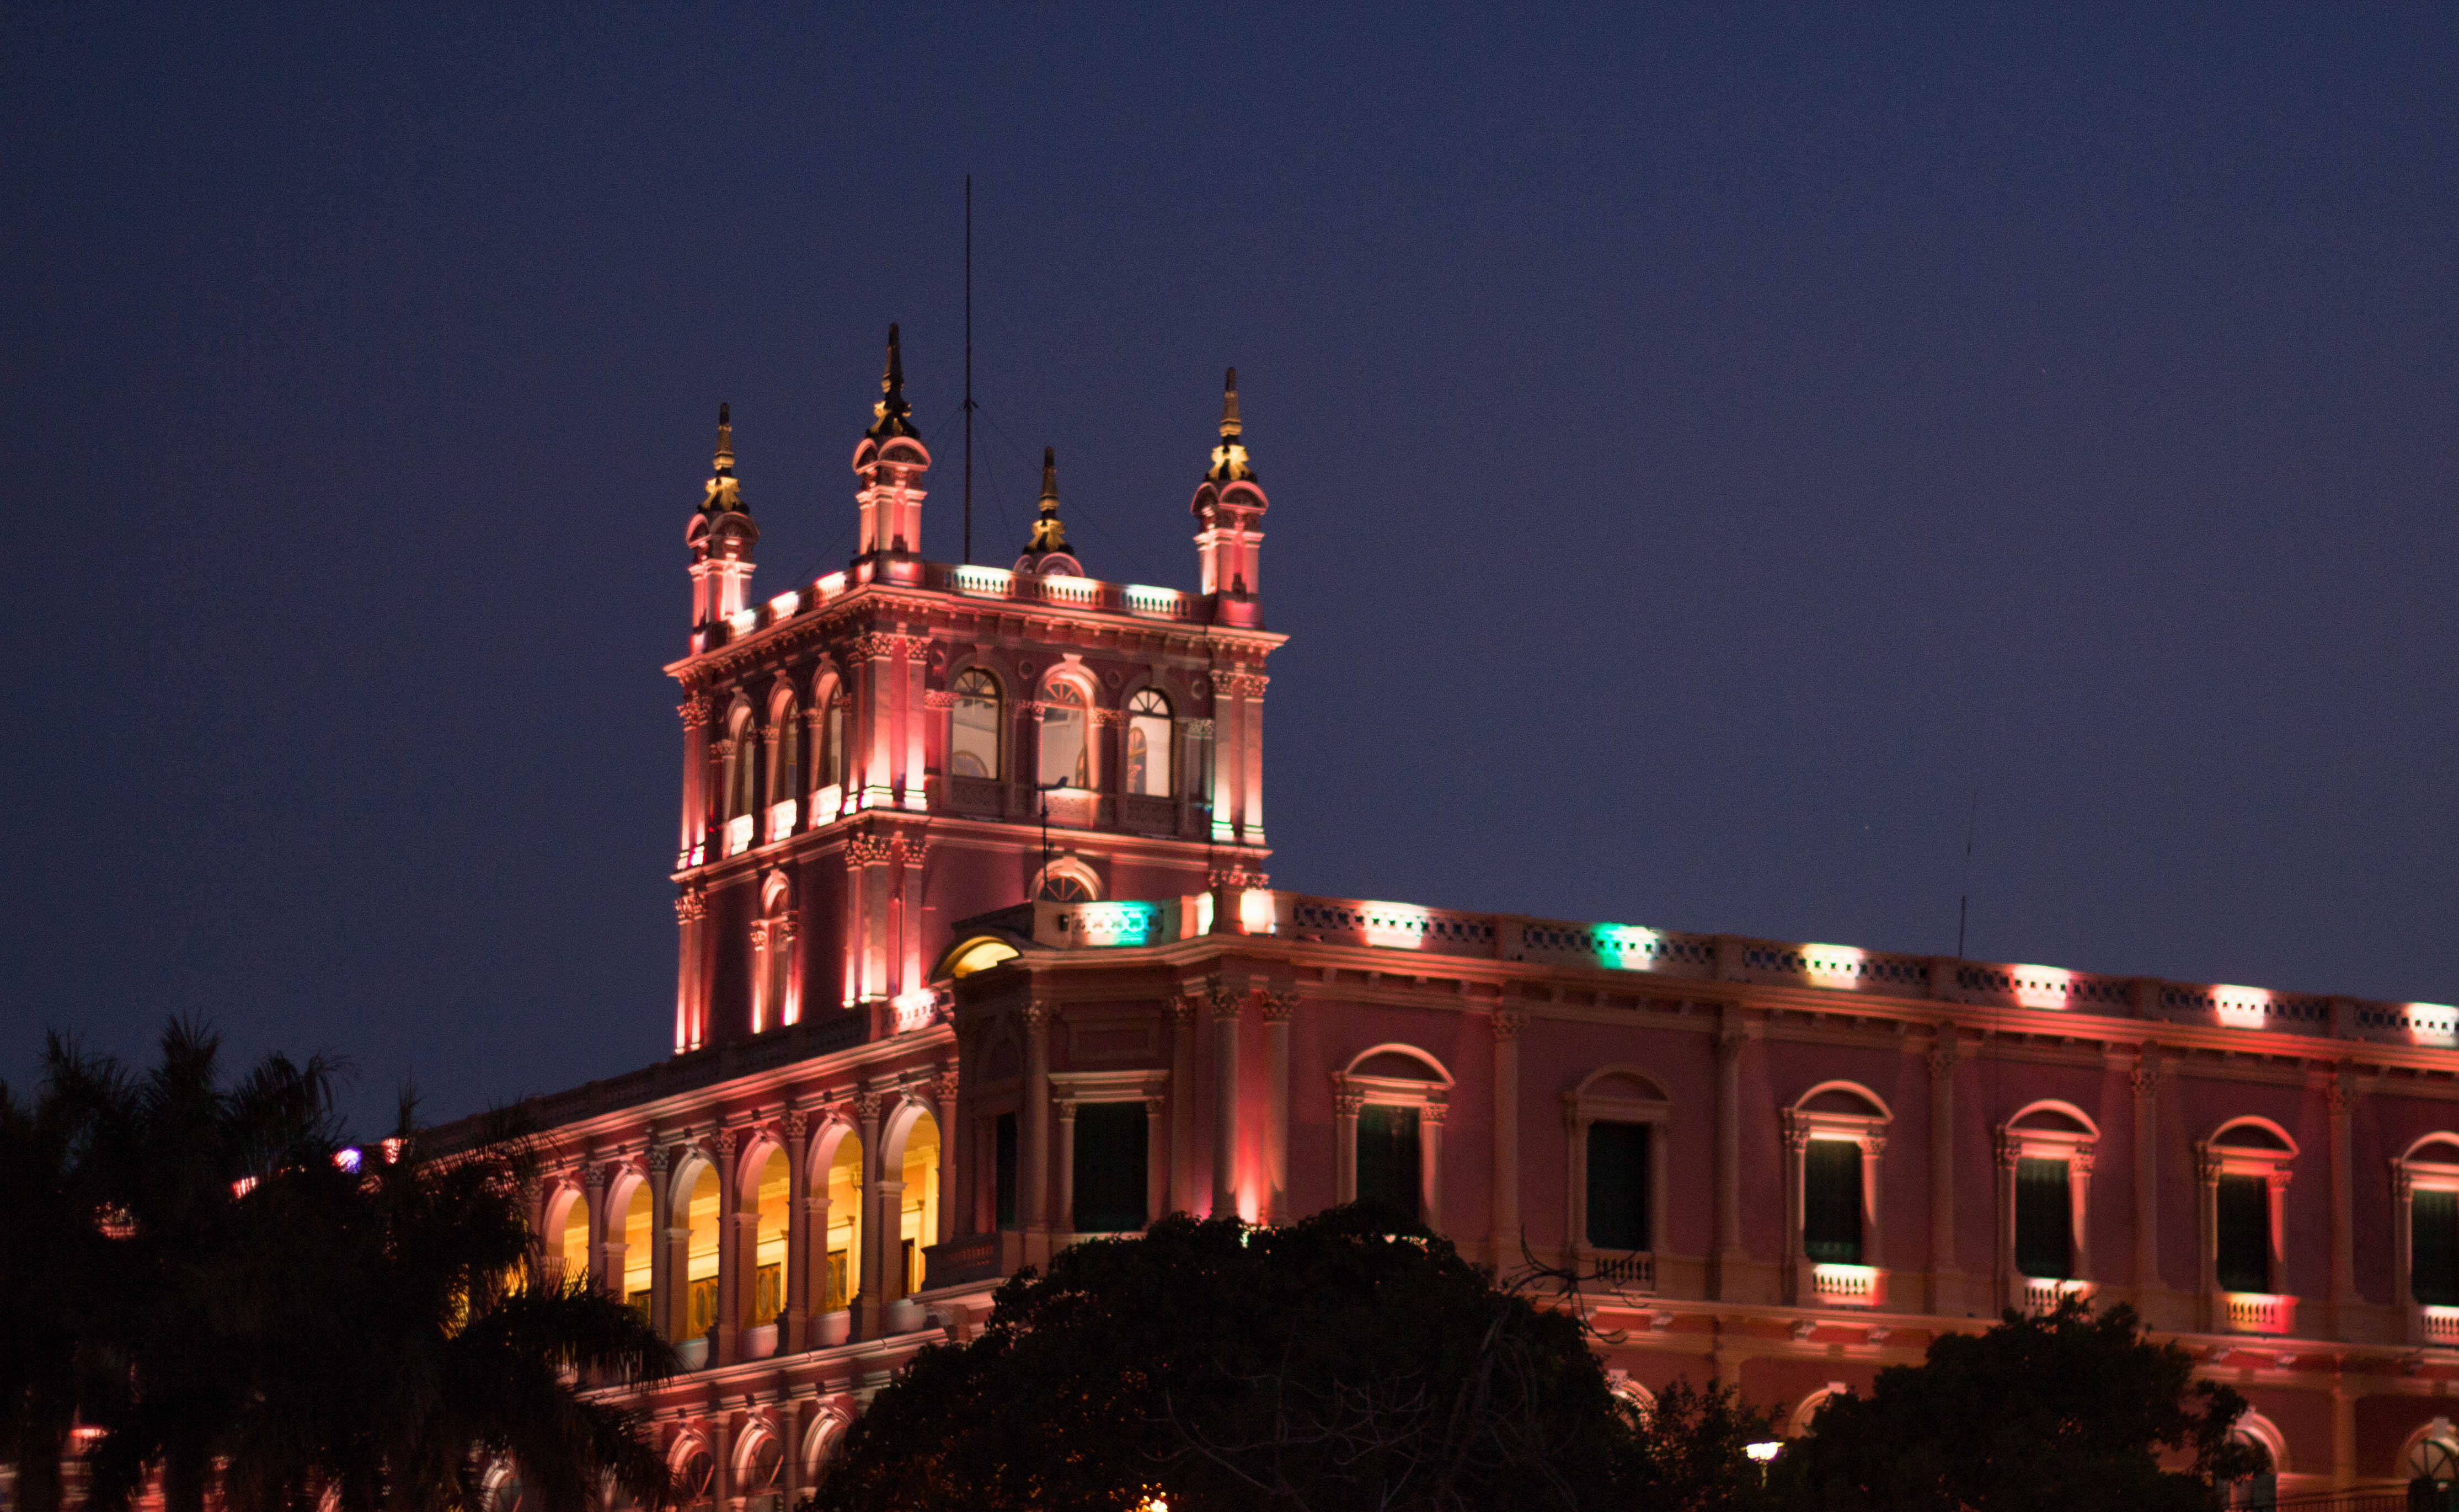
<point x="1065" y="756"/>
<point x="2044" y="1219"/>
<point x="1618" y="1186"/>
<point x="973" y="728"/>
<point x="1388" y="1157"/>
<point x="1149" y="745"/>
<point x="1110" y="1163"/>
<point x="1831" y="1191"/>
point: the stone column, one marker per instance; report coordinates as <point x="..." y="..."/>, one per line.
<point x="1430" y="1164"/>
<point x="871" y="1305"/>
<point x="1945" y="1276"/>
<point x="1181" y="1102"/>
<point x="2145" y="1078"/>
<point x="690" y="845"/>
<point x="729" y="1251"/>
<point x="870" y="859"/>
<point x="1032" y="1201"/>
<point x="1279" y="1008"/>
<point x="1729" y="1257"/>
<point x="800" y="1264"/>
<point x="1226" y="1009"/>
<point x="1063" y="1217"/>
<point x="2344" y="1189"/>
<point x="691" y="1015"/>
<point x="1156" y="1174"/>
<point x="592" y="1187"/>
<point x="1503" y="1242"/>
<point x="946" y="1088"/>
<point x="1346" y="1103"/>
<point x="662" y="1250"/>
<point x="912" y="781"/>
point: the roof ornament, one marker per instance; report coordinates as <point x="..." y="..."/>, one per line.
<point x="1230" y="458"/>
<point x="1049" y="534"/>
<point x="892" y="416"/>
<point x="724" y="494"/>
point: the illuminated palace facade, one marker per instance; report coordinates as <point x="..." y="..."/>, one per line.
<point x="979" y="956"/>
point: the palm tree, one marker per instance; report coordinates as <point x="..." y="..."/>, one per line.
<point x="53" y="1258"/>
<point x="289" y="1321"/>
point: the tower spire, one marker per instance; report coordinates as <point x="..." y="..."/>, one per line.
<point x="1230" y="458"/>
<point x="1048" y="551"/>
<point x="724" y="492"/>
<point x="721" y="536"/>
<point x="892" y="416"/>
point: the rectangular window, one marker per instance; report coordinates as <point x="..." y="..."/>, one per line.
<point x="1618" y="1186"/>
<point x="767" y="1296"/>
<point x="973" y="736"/>
<point x="832" y="1283"/>
<point x="2044" y="1219"/>
<point x="1110" y="1166"/>
<point x="1387" y="1157"/>
<point x="701" y="1309"/>
<point x="2433" y="1248"/>
<point x="1831" y="1202"/>
<point x="1003" y="1166"/>
<point x="2244" y="1251"/>
<point x="1148" y="755"/>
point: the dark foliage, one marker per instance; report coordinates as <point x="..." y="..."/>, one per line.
<point x="2065" y="1412"/>
<point x="1334" y="1364"/>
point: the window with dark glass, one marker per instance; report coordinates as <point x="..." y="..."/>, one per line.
<point x="2244" y="1249"/>
<point x="2044" y="1219"/>
<point x="1111" y="1168"/>
<point x="1387" y="1157"/>
<point x="1831" y="1202"/>
<point x="1003" y="1165"/>
<point x="2433" y="1248"/>
<point x="1066" y="759"/>
<point x="1618" y="1186"/>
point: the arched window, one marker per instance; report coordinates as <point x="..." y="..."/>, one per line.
<point x="2045" y="1178"/>
<point x="974" y="725"/>
<point x="1067" y="756"/>
<point x="1617" y="1119"/>
<point x="2426" y="1184"/>
<point x="785" y="752"/>
<point x="696" y="1478"/>
<point x="2245" y="1167"/>
<point x="763" y="1482"/>
<point x="1149" y="745"/>
<point x="1834" y="1133"/>
<point x="743" y="766"/>
<point x="1389" y="1105"/>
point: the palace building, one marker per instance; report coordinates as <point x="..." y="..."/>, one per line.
<point x="979" y="956"/>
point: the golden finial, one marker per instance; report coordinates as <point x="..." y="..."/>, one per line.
<point x="892" y="416"/>
<point x="1048" y="533"/>
<point x="724" y="494"/>
<point x="1230" y="458"/>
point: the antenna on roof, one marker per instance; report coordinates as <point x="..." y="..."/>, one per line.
<point x="969" y="369"/>
<point x="1963" y="904"/>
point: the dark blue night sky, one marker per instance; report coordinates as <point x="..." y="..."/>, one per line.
<point x="1706" y="448"/>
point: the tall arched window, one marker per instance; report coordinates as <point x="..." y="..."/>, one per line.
<point x="2425" y="1180"/>
<point x="974" y="725"/>
<point x="1067" y="756"/>
<point x="1149" y="745"/>
<point x="2045" y="1182"/>
<point x="2245" y="1167"/>
<point x="1388" y="1107"/>
<point x="786" y="754"/>
<point x="744" y="770"/>
<point x="1834" y="1133"/>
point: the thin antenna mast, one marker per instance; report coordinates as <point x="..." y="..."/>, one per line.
<point x="1963" y="904"/>
<point x="969" y="369"/>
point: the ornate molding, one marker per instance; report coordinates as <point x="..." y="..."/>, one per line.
<point x="866" y="1105"/>
<point x="1346" y="1101"/>
<point x="1434" y="1112"/>
<point x="871" y="849"/>
<point x="694" y="711"/>
<point x="691" y="905"/>
<point x="1240" y="684"/>
<point x="795" y="1123"/>
<point x="1509" y="1023"/>
<point x="1280" y="1007"/>
<point x="1197" y="728"/>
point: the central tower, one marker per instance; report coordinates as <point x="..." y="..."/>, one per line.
<point x="875" y="755"/>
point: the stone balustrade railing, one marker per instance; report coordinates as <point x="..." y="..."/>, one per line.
<point x="1841" y="969"/>
<point x="1136" y="600"/>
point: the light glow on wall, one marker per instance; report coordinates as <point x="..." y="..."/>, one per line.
<point x="1118" y="923"/>
<point x="2241" y="1007"/>
<point x="2433" y="1024"/>
<point x="1832" y="965"/>
<point x="1626" y="947"/>
<point x="1393" y="926"/>
<point x="1255" y="911"/>
<point x="2041" y="986"/>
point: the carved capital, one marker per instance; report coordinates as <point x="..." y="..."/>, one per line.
<point x="943" y="1087"/>
<point x="1036" y="1016"/>
<point x="1509" y="1023"/>
<point x="1280" y="1007"/>
<point x="1226" y="1005"/>
<point x="869" y="850"/>
<point x="1434" y="1113"/>
<point x="1240" y="684"/>
<point x="694" y="711"/>
<point x="1346" y="1101"/>
<point x="2341" y="1097"/>
<point x="2145" y="1078"/>
<point x="691" y="906"/>
<point x="661" y="1159"/>
<point x="1946" y="1049"/>
<point x="1729" y="1047"/>
<point x="724" y="1142"/>
<point x="867" y="1105"/>
<point x="795" y="1122"/>
<point x="2080" y="1161"/>
<point x="1197" y="728"/>
<point x="595" y="1175"/>
<point x="1873" y="1145"/>
<point x="938" y="699"/>
<point x="1182" y="1006"/>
